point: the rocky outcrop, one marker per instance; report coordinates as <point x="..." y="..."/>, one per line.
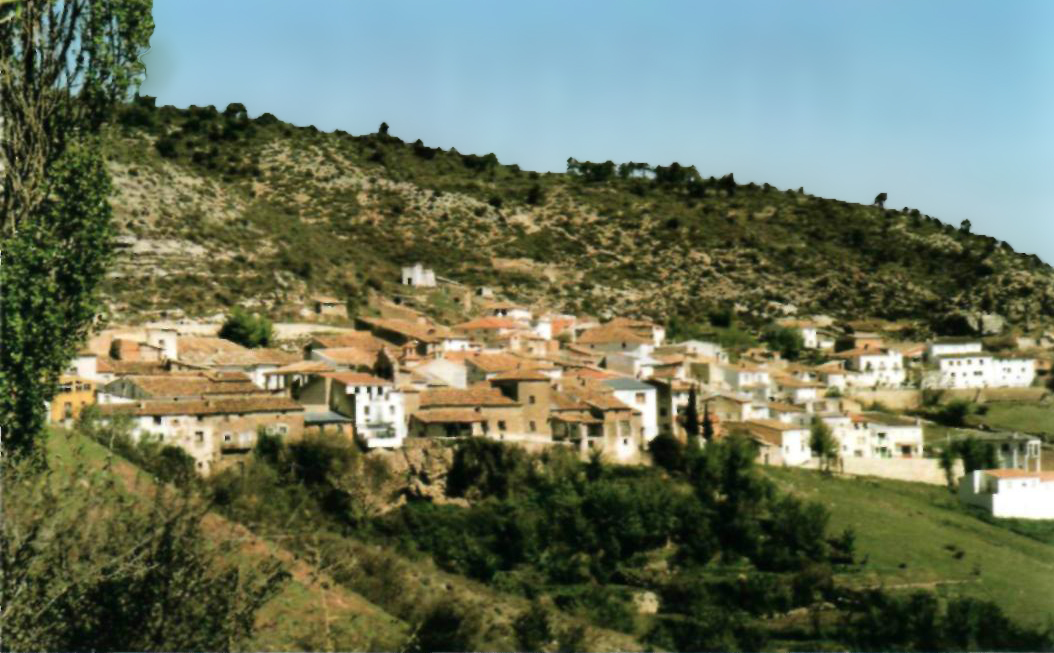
<point x="418" y="471"/>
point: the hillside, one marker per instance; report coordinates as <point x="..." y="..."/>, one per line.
<point x="215" y="209"/>
<point x="912" y="535"/>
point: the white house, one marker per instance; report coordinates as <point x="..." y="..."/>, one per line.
<point x="1010" y="493"/>
<point x="418" y="275"/>
<point x="641" y="397"/>
<point x="796" y="390"/>
<point x="948" y="346"/>
<point x="789" y="442"/>
<point x="379" y="410"/>
<point x="703" y="349"/>
<point x="751" y="379"/>
<point x="983" y="370"/>
<point x="875" y="367"/>
<point x="888" y="436"/>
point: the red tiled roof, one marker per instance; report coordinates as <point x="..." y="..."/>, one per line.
<point x="204" y="406"/>
<point x="356" y="378"/>
<point x="488" y="323"/>
<point x="475" y="396"/>
<point x="447" y="415"/>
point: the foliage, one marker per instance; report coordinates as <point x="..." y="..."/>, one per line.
<point x="51" y="267"/>
<point x="691" y="415"/>
<point x="446" y="628"/>
<point x="64" y="65"/>
<point x="247" y="330"/>
<point x="917" y="622"/>
<point x="788" y="342"/>
<point x="822" y="443"/>
<point x="533" y="629"/>
<point x="953" y="413"/>
<point x="667" y="452"/>
<point x="136" y="574"/>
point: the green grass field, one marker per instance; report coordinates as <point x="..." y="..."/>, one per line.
<point x="905" y="531"/>
<point x="1037" y="418"/>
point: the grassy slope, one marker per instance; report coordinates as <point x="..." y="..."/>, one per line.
<point x="1024" y="417"/>
<point x="909" y="524"/>
<point x="295" y="618"/>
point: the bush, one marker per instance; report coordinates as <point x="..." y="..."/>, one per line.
<point x="137" y="575"/>
<point x="247" y="330"/>
<point x="667" y="452"/>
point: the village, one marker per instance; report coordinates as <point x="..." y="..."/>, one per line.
<point x="538" y="379"/>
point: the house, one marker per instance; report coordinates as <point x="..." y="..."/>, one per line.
<point x="699" y="349"/>
<point x="183" y="385"/>
<point x="643" y="398"/>
<point x="874" y="367"/>
<point x="781" y="443"/>
<point x="809" y="330"/>
<point x="378" y="409"/>
<point x="795" y="390"/>
<point x="292" y="377"/>
<point x="125" y="349"/>
<point x="724" y="408"/>
<point x="949" y="346"/>
<point x="747" y="378"/>
<point x="530" y="389"/>
<point x="984" y="370"/>
<point x="832" y="374"/>
<point x="502" y="308"/>
<point x="418" y="275"/>
<point x="596" y="421"/>
<point x="254" y="363"/>
<point x="859" y="340"/>
<point x="424" y="337"/>
<point x="477" y="412"/>
<point x="889" y="436"/>
<point x="73" y="395"/>
<point x="488" y="329"/>
<point x="1010" y="493"/>
<point x="324" y="306"/>
<point x="443" y="371"/>
<point x="364" y="340"/>
<point x="672" y="397"/>
<point x="656" y="333"/>
<point x="217" y="433"/>
<point x="611" y="339"/>
<point x="632" y="364"/>
<point x="354" y="359"/>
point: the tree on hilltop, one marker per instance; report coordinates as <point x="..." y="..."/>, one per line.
<point x="880" y="200"/>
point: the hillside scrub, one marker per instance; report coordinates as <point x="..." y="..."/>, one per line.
<point x="653" y="240"/>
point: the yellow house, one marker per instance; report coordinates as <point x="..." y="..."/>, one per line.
<point x="74" y="394"/>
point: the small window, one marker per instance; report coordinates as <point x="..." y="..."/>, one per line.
<point x="227" y="437"/>
<point x="530" y="399"/>
<point x="501" y="425"/>
<point x="157" y="419"/>
<point x="532" y="427"/>
<point x="199" y="437"/>
<point x="67" y="410"/>
<point x="640" y="397"/>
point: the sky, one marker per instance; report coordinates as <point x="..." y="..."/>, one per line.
<point x="946" y="106"/>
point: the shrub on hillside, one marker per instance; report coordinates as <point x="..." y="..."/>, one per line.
<point x="247" y="330"/>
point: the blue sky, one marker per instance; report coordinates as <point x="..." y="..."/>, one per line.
<point x="947" y="106"/>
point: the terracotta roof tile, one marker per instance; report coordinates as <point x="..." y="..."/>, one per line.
<point x="238" y="405"/>
<point x="475" y="396"/>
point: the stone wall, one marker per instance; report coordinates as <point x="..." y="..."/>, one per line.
<point x="918" y="470"/>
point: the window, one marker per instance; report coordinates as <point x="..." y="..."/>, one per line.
<point x="227" y="437"/>
<point x="639" y="397"/>
<point x="367" y="410"/>
<point x="67" y="410"/>
<point x="199" y="437"/>
<point x="157" y="419"/>
<point x="391" y="410"/>
<point x="530" y="399"/>
<point x="532" y="429"/>
<point x="501" y="425"/>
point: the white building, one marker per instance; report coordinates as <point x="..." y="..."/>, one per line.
<point x="641" y="397"/>
<point x="418" y="275"/>
<point x="789" y="442"/>
<point x="751" y="379"/>
<point x="983" y="370"/>
<point x="1010" y="493"/>
<point x="378" y="409"/>
<point x="703" y="349"/>
<point x="879" y="367"/>
<point x="950" y="346"/>
<point x="888" y="436"/>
